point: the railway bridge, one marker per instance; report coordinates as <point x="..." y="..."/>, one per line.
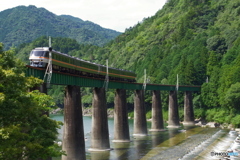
<point x="73" y="136"/>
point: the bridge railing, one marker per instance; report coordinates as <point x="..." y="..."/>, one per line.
<point x="68" y="79"/>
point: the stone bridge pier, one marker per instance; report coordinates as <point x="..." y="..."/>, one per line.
<point x="173" y="115"/>
<point x="100" y="132"/>
<point x="140" y="122"/>
<point x="73" y="134"/>
<point x="157" y="116"/>
<point x="121" y="127"/>
<point x="188" y="109"/>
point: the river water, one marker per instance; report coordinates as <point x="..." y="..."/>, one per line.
<point x="173" y="144"/>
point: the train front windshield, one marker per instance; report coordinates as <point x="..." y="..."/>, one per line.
<point x="39" y="53"/>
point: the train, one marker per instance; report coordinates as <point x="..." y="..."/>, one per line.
<point x="61" y="62"/>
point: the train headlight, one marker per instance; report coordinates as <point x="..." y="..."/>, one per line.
<point x="41" y="60"/>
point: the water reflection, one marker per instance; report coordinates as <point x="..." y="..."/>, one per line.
<point x="172" y="140"/>
<point x="158" y="137"/>
<point x="141" y="145"/>
<point x="103" y="155"/>
<point x="122" y="150"/>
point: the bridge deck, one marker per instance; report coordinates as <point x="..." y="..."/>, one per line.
<point x="68" y="79"/>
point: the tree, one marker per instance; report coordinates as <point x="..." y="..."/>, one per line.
<point x="25" y="132"/>
<point x="209" y="90"/>
<point x="217" y="43"/>
<point x="232" y="96"/>
<point x="212" y="62"/>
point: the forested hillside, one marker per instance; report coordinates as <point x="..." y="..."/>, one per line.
<point x="178" y="40"/>
<point x="198" y="40"/>
<point x="24" y="24"/>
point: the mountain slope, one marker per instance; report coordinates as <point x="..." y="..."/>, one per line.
<point x="24" y="24"/>
<point x="198" y="40"/>
<point x="183" y="29"/>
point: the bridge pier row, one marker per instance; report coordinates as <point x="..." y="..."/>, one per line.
<point x="100" y="132"/>
<point x="73" y="133"/>
<point x="121" y="127"/>
<point x="140" y="122"/>
<point x="188" y="109"/>
<point x="173" y="115"/>
<point x="157" y="116"/>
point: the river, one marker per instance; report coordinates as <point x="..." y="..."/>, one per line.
<point x="172" y="144"/>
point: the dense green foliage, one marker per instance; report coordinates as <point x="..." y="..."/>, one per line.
<point x="198" y="40"/>
<point x="194" y="39"/>
<point x="24" y="24"/>
<point x="25" y="131"/>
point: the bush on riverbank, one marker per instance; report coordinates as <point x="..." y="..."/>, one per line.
<point x="222" y="116"/>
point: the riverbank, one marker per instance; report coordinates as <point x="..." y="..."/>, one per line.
<point x="87" y="111"/>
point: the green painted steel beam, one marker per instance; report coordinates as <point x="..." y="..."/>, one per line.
<point x="67" y="79"/>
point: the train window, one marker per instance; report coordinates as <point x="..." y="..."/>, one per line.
<point x="37" y="53"/>
<point x="46" y="54"/>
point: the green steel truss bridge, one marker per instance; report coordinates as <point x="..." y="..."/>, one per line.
<point x="69" y="79"/>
